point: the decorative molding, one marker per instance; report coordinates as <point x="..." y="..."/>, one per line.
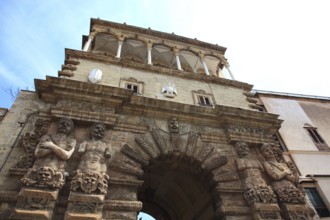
<point x="130" y="128"/>
<point x="84" y="111"/>
<point x="156" y="69"/>
<point x="134" y="155"/>
<point x="159" y="139"/>
<point x="232" y="210"/>
<point x="122" y="205"/>
<point x="146" y="145"/>
<point x="157" y="34"/>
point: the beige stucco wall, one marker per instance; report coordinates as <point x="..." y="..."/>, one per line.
<point x="153" y="83"/>
<point x="292" y="131"/>
<point x="319" y="113"/>
<point x="310" y="163"/>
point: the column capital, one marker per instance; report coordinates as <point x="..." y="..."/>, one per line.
<point x="201" y="55"/>
<point x="176" y="51"/>
<point x="149" y="45"/>
<point x="121" y="38"/>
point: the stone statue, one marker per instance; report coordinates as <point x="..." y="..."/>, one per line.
<point x="283" y="179"/>
<point x="173" y="127"/>
<point x="91" y="175"/>
<point x="51" y="154"/>
<point x="256" y="189"/>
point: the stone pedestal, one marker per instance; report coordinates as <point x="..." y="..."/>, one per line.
<point x="266" y="211"/>
<point x="297" y="211"/>
<point x="33" y="203"/>
<point x="84" y="206"/>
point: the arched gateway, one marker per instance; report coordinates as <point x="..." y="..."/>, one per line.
<point x="114" y="135"/>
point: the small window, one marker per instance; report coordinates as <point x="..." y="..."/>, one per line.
<point x="132" y="84"/>
<point x="133" y="87"/>
<point x="317" y="202"/>
<point x="202" y="98"/>
<point x="317" y="139"/>
<point x="204" y="101"/>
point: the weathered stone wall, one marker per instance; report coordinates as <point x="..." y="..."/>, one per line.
<point x="17" y="121"/>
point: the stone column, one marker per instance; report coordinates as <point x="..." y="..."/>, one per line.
<point x="122" y="201"/>
<point x="149" y="48"/>
<point x="178" y="63"/>
<point x="120" y="44"/>
<point x="88" y="43"/>
<point x="201" y="56"/>
<point x="230" y="73"/>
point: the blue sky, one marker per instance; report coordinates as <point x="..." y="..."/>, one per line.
<point x="275" y="45"/>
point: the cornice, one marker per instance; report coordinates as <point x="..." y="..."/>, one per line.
<point x="124" y="102"/>
<point x="154" y="33"/>
<point x="69" y="53"/>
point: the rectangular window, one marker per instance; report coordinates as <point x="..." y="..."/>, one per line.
<point x="317" y="202"/>
<point x="204" y="101"/>
<point x="317" y="139"/>
<point x="133" y="87"/>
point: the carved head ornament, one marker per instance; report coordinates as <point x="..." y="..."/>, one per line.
<point x="65" y="126"/>
<point x="98" y="130"/>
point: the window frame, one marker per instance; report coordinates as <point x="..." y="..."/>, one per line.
<point x="126" y="83"/>
<point x="317" y="201"/>
<point x="208" y="99"/>
<point x="317" y="138"/>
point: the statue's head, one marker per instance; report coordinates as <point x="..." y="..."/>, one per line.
<point x="242" y="148"/>
<point x="250" y="194"/>
<point x="89" y="182"/>
<point x="98" y="130"/>
<point x="65" y="126"/>
<point x="267" y="150"/>
<point x="45" y="175"/>
<point x="173" y="125"/>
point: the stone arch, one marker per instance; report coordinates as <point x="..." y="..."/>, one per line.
<point x="190" y="169"/>
<point x="190" y="61"/>
<point x="162" y="55"/>
<point x="134" y="50"/>
<point x="105" y="43"/>
<point x="214" y="64"/>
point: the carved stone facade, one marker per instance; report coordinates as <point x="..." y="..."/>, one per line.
<point x="99" y="151"/>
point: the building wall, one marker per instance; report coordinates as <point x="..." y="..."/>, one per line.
<point x="12" y="127"/>
<point x="153" y="83"/>
<point x="309" y="160"/>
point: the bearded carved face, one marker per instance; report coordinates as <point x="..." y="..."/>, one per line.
<point x="89" y="183"/>
<point x="98" y="131"/>
<point x="250" y="195"/>
<point x="174" y="126"/>
<point x="44" y="176"/>
<point x="65" y="126"/>
<point x="265" y="193"/>
<point x="242" y="149"/>
<point x="267" y="151"/>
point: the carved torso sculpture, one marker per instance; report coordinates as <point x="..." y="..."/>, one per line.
<point x="52" y="153"/>
<point x="91" y="175"/>
<point x="255" y="187"/>
<point x="173" y="127"/>
<point x="283" y="179"/>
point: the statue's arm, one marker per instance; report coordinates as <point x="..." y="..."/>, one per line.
<point x="276" y="174"/>
<point x="64" y="154"/>
<point x="43" y="148"/>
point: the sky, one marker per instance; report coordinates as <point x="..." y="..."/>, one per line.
<point x="275" y="45"/>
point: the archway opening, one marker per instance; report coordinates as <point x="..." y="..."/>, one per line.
<point x="176" y="188"/>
